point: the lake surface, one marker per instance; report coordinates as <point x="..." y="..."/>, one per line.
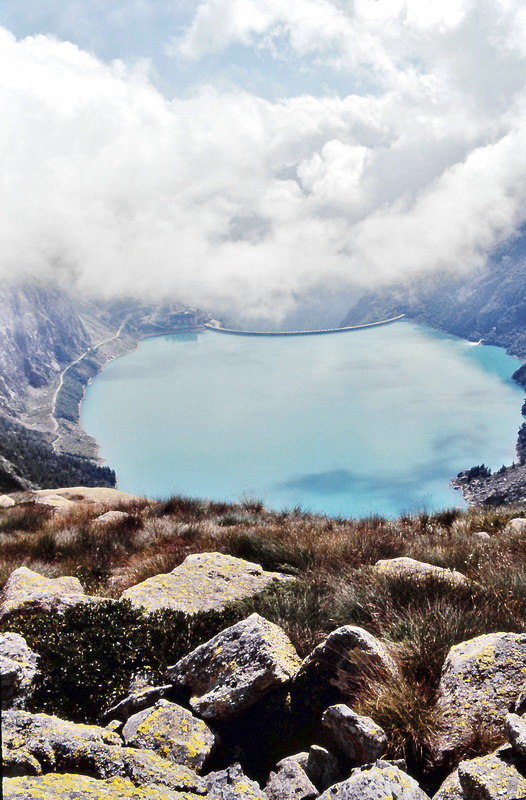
<point x="372" y="421"/>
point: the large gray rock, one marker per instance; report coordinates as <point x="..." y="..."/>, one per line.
<point x="80" y="787"/>
<point x="491" y="778"/>
<point x="172" y="732"/>
<point x="358" y="738"/>
<point x="290" y="781"/>
<point x="18" y="668"/>
<point x="37" y="743"/>
<point x="27" y="591"/>
<point x="480" y="681"/>
<point x="516" y="731"/>
<point x="232" y="784"/>
<point x="203" y="582"/>
<point x="236" y="668"/>
<point x="337" y="667"/>
<point x="378" y="783"/>
<point x="410" y="568"/>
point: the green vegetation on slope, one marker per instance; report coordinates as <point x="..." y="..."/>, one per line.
<point x="27" y="457"/>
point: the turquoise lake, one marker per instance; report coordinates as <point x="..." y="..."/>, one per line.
<point x="349" y="424"/>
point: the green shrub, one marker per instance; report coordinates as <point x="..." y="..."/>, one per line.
<point x="90" y="654"/>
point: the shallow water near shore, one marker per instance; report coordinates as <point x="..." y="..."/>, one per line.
<point x="375" y="421"/>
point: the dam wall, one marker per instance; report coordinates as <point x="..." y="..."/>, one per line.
<point x="214" y="326"/>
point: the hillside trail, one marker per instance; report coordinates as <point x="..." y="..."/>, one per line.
<point x="54" y="399"/>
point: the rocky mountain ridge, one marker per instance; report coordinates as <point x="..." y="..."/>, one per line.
<point x="52" y="342"/>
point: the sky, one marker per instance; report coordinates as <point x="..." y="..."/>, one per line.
<point x="242" y="154"/>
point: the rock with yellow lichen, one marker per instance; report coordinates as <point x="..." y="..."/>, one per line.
<point x="480" y="681"/>
<point x="491" y="778"/>
<point x="27" y="591"/>
<point x="290" y="781"/>
<point x="359" y="739"/>
<point x="404" y="567"/>
<point x="33" y="744"/>
<point x="203" y="582"/>
<point x="232" y="784"/>
<point x="236" y="668"/>
<point x="380" y="782"/>
<point x="18" y="669"/>
<point x="81" y="787"/>
<point x="337" y="666"/>
<point x="450" y="789"/>
<point x="172" y="732"/>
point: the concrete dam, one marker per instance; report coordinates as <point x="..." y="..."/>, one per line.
<point x="215" y="325"/>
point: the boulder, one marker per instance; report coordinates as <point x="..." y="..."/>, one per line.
<point x="450" y="789"/>
<point x="6" y="501"/>
<point x="516" y="731"/>
<point x="337" y="666"/>
<point x="80" y="787"/>
<point x="482" y="536"/>
<point x="377" y="783"/>
<point x="203" y="582"/>
<point x="358" y="738"/>
<point x="37" y="743"/>
<point x="55" y="501"/>
<point x="322" y="767"/>
<point x="491" y="778"/>
<point x="290" y="781"/>
<point x="480" y="680"/>
<point x="517" y="525"/>
<point x="172" y="732"/>
<point x="232" y="784"/>
<point x="27" y="591"/>
<point x="18" y="667"/>
<point x="111" y="517"/>
<point x="236" y="668"/>
<point x="409" y="568"/>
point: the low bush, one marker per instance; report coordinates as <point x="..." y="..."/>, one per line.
<point x="89" y="655"/>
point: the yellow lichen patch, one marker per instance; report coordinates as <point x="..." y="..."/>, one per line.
<point x="80" y="787"/>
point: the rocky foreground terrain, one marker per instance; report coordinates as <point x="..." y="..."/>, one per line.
<point x="255" y="680"/>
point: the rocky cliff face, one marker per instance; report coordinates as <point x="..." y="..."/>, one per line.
<point x="489" y="305"/>
<point x="40" y="333"/>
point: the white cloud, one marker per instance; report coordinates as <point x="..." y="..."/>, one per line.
<point x="227" y="200"/>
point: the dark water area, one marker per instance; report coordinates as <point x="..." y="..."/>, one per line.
<point x="349" y="424"/>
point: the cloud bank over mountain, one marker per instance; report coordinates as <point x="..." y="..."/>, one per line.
<point x="223" y="197"/>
